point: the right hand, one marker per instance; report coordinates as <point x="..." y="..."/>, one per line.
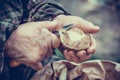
<point x="31" y="43"/>
<point x="84" y="25"/>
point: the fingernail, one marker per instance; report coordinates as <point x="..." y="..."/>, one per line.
<point x="92" y="51"/>
<point x="97" y="28"/>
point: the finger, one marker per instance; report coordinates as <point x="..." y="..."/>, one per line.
<point x="66" y="55"/>
<point x="51" y="38"/>
<point x="80" y="54"/>
<point x="88" y="26"/>
<point x="14" y="63"/>
<point x="92" y="47"/>
<point x="36" y="66"/>
<point x="54" y="40"/>
<point x="50" y="25"/>
<point x="74" y="57"/>
<point x="83" y="55"/>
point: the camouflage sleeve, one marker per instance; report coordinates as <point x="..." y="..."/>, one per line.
<point x="43" y="10"/>
<point x="9" y="18"/>
<point x="15" y="12"/>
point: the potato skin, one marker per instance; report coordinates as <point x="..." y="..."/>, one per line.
<point x="82" y="39"/>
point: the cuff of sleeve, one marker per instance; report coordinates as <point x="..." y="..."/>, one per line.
<point x="46" y="11"/>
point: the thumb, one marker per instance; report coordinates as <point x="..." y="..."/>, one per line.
<point x="53" y="39"/>
<point x="88" y="27"/>
<point x="51" y="26"/>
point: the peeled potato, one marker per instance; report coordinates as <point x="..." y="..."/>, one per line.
<point x="75" y="39"/>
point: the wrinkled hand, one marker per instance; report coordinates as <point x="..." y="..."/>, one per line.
<point x="31" y="43"/>
<point x="82" y="55"/>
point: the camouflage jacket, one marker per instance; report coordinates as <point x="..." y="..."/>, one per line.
<point x="14" y="13"/>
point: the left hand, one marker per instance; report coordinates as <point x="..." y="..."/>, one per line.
<point x="31" y="43"/>
<point x="82" y="55"/>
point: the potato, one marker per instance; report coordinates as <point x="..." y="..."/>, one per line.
<point x="75" y="39"/>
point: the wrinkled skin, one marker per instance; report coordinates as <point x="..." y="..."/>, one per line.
<point x="82" y="55"/>
<point x="32" y="42"/>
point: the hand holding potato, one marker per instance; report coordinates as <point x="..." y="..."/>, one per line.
<point x="85" y="26"/>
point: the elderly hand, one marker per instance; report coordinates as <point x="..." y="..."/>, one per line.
<point x="31" y="43"/>
<point x="82" y="55"/>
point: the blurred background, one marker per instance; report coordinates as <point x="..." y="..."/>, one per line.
<point x="106" y="14"/>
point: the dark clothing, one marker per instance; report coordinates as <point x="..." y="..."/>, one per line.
<point x="16" y="12"/>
